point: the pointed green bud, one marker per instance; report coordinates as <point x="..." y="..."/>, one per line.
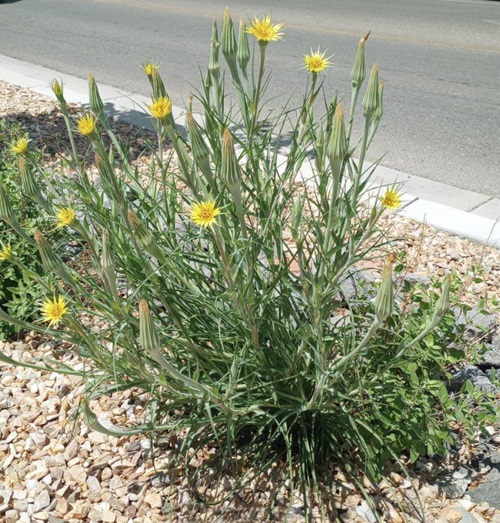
<point x="230" y="168"/>
<point x="380" y="106"/>
<point x="198" y="145"/>
<point x="370" y="101"/>
<point x="243" y="55"/>
<point x="148" y="337"/>
<point x="50" y="260"/>
<point x="358" y="73"/>
<point x="145" y="238"/>
<point x="229" y="44"/>
<point x="337" y="148"/>
<point x="58" y="90"/>
<point x="6" y="211"/>
<point x="29" y="184"/>
<point x="443" y="303"/>
<point x="159" y="90"/>
<point x="385" y="296"/>
<point x="213" y="62"/>
<point x="94" y="97"/>
<point x="8" y="216"/>
<point x="108" y="267"/>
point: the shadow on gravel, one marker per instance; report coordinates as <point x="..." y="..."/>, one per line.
<point x="47" y="130"/>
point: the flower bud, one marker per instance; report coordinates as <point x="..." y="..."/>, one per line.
<point x="243" y="54"/>
<point x="58" y="90"/>
<point x="147" y="333"/>
<point x="158" y="86"/>
<point x="6" y="211"/>
<point x="213" y="63"/>
<point x="370" y="101"/>
<point x="108" y="267"/>
<point x="198" y="145"/>
<point x="50" y="260"/>
<point x="94" y="97"/>
<point x="380" y="106"/>
<point x="229" y="44"/>
<point x="29" y="185"/>
<point x="443" y="303"/>
<point x="8" y="216"/>
<point x="338" y="144"/>
<point x="230" y="168"/>
<point x="358" y="73"/>
<point x="145" y="238"/>
<point x="385" y="296"/>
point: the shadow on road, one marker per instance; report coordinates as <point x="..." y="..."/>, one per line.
<point x="9" y="1"/>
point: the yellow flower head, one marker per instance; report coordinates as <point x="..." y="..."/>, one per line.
<point x="161" y="107"/>
<point x="6" y="253"/>
<point x="53" y="310"/>
<point x="65" y="217"/>
<point x="21" y="146"/>
<point x="264" y="31"/>
<point x="316" y="62"/>
<point x="150" y="68"/>
<point x="86" y="125"/>
<point x="204" y="213"/>
<point x="391" y="199"/>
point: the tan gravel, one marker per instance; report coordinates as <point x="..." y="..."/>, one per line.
<point x="51" y="470"/>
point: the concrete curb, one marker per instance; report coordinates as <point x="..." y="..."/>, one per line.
<point x="464" y="213"/>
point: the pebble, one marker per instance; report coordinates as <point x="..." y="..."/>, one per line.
<point x="76" y="473"/>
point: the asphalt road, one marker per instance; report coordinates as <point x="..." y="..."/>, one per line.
<point x="440" y="60"/>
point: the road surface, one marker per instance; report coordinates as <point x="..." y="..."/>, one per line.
<point x="440" y="60"/>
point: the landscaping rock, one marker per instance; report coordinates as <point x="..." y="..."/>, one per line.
<point x="454" y="484"/>
<point x="477" y="377"/>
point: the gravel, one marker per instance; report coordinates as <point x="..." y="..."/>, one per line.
<point x="56" y="471"/>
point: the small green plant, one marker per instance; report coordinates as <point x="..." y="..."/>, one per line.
<point x="215" y="282"/>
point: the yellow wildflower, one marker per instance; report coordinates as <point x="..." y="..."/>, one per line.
<point x="86" y="125"/>
<point x="391" y="199"/>
<point x="161" y="107"/>
<point x="264" y="31"/>
<point x="149" y="68"/>
<point x="65" y="217"/>
<point x="53" y="310"/>
<point x="316" y="62"/>
<point x="204" y="213"/>
<point x="21" y="146"/>
<point x="6" y="253"/>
